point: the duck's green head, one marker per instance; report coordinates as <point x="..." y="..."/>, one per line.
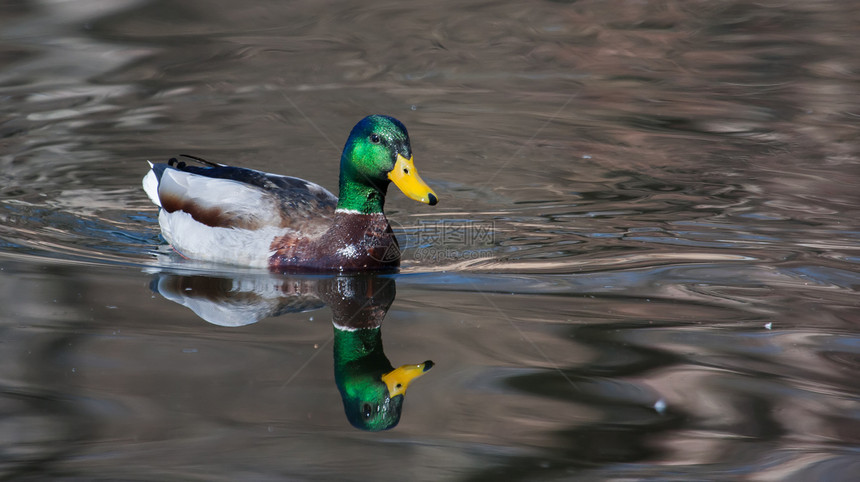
<point x="377" y="153"/>
<point x="375" y="403"/>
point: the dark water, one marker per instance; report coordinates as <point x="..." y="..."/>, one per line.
<point x="644" y="263"/>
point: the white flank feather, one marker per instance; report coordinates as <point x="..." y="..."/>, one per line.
<point x="222" y="245"/>
<point x="150" y="186"/>
<point x="233" y="198"/>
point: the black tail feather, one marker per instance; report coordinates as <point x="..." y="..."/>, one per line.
<point x="201" y="160"/>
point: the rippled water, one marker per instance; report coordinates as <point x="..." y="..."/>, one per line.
<point x="644" y="263"/>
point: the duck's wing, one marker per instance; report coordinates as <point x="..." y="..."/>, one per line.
<point x="232" y="197"/>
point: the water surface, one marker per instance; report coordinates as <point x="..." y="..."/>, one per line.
<point x="644" y="263"/>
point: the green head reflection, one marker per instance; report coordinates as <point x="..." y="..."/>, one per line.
<point x="371" y="388"/>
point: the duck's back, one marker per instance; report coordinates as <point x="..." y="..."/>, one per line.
<point x="230" y="214"/>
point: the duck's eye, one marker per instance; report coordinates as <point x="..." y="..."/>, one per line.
<point x="367" y="410"/>
<point x="374" y="138"/>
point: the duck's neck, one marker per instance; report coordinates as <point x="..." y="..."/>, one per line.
<point x="354" y="348"/>
<point x="360" y="197"/>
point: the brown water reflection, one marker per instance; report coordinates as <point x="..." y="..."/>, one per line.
<point x="669" y="291"/>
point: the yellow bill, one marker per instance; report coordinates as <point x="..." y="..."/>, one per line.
<point x="398" y="380"/>
<point x="407" y="179"/>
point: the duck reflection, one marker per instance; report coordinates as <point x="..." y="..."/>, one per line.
<point x="372" y="390"/>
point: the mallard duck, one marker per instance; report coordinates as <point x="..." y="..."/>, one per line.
<point x="239" y="216"/>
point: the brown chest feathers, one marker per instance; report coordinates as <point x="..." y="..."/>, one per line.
<point x="354" y="242"/>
